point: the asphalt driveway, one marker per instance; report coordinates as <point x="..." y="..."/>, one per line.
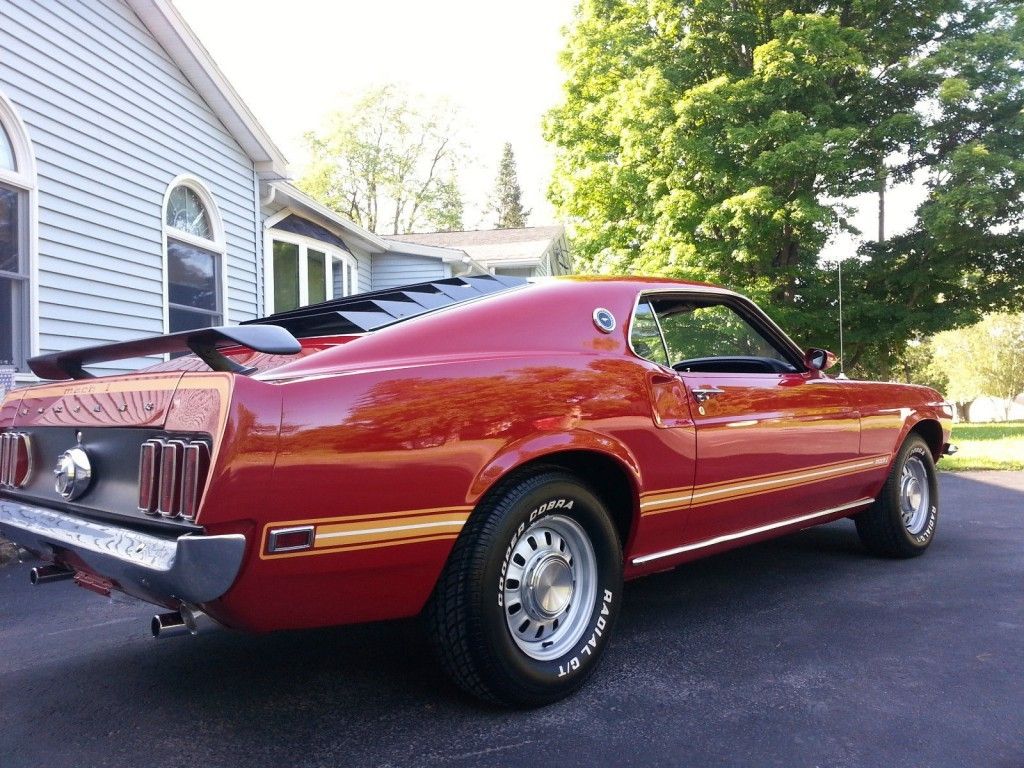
<point x="800" y="652"/>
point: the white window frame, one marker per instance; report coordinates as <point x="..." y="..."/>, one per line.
<point x="305" y="244"/>
<point x="24" y="179"/>
<point x="217" y="246"/>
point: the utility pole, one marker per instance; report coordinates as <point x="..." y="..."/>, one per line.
<point x="881" y="204"/>
<point x="842" y="363"/>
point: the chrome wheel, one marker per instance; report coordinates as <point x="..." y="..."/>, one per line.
<point x="915" y="501"/>
<point x="550" y="587"/>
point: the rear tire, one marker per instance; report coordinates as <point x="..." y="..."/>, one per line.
<point x="902" y="521"/>
<point x="525" y="606"/>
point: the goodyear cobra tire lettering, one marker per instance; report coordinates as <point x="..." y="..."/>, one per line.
<point x="883" y="528"/>
<point x="477" y="643"/>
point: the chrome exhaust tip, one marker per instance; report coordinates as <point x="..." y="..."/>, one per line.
<point x="183" y="622"/>
<point x="168" y="625"/>
<point x="44" y="574"/>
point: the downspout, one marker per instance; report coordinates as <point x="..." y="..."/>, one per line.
<point x="258" y="240"/>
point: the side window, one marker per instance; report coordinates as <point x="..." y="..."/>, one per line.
<point x="308" y="272"/>
<point x="700" y="329"/>
<point x="645" y="336"/>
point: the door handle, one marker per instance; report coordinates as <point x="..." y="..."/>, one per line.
<point x="704" y="393"/>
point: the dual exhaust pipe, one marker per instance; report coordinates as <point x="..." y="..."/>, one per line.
<point x="45" y="574"/>
<point x="184" y="621"/>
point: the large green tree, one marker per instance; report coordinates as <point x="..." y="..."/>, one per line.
<point x="721" y="139"/>
<point x="388" y="163"/>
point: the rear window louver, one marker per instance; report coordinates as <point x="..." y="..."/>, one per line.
<point x="368" y="311"/>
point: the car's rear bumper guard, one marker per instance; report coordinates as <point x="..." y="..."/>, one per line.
<point x="190" y="568"/>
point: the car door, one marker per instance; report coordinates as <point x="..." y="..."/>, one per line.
<point x="774" y="441"/>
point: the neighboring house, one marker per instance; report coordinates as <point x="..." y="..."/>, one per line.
<point x="310" y="254"/>
<point x="526" y="252"/>
<point x="138" y="194"/>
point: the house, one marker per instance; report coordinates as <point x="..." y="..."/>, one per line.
<point x="525" y="252"/>
<point x="139" y="196"/>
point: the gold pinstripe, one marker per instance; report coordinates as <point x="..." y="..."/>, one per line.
<point x="679" y="498"/>
<point x="344" y="534"/>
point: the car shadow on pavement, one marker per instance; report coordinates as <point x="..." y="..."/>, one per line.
<point x="224" y="674"/>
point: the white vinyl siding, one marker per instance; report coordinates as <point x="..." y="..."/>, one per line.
<point x="394" y="269"/>
<point x="113" y="122"/>
<point x="363" y="261"/>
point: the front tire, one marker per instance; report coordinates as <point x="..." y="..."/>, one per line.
<point x="526" y="604"/>
<point x="902" y="521"/>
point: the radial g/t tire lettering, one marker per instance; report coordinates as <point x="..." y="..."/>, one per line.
<point x="527" y="601"/>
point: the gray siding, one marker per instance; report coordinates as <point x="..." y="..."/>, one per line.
<point x="394" y="269"/>
<point x="363" y="260"/>
<point x="517" y="272"/>
<point x="112" y="121"/>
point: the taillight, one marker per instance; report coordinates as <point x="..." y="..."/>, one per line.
<point x="15" y="459"/>
<point x="172" y="475"/>
<point x="193" y="476"/>
<point x="169" y="504"/>
<point x="149" y="475"/>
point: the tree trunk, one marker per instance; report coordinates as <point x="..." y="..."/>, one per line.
<point x="961" y="407"/>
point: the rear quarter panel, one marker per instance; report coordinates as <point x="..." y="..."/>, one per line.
<point x="387" y="445"/>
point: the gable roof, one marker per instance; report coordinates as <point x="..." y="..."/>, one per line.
<point x="169" y="29"/>
<point x="291" y="198"/>
<point x="482" y="236"/>
<point x="526" y="245"/>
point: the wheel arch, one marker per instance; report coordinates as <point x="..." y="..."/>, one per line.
<point x="604" y="466"/>
<point x="930" y="431"/>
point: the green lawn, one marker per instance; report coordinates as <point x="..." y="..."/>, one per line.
<point x="986" y="446"/>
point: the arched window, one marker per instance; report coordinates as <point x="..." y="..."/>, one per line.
<point x="17" y="238"/>
<point x="194" y="240"/>
<point x="6" y="152"/>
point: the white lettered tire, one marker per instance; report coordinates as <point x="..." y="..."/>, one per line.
<point x="903" y="519"/>
<point x="527" y="601"/>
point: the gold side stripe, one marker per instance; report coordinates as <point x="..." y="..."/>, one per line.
<point x="811" y="475"/>
<point x="754" y="492"/>
<point x="653" y="497"/>
<point x="365" y="531"/>
<point x="357" y="547"/>
<point x="717" y="492"/>
<point x="395" y="524"/>
<point x="384" y="534"/>
<point x="326" y="521"/>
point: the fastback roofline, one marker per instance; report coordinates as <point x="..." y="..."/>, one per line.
<point x="365" y="312"/>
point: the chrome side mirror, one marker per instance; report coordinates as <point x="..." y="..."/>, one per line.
<point x="819" y="359"/>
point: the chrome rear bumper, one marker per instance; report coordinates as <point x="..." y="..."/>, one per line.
<point x="193" y="569"/>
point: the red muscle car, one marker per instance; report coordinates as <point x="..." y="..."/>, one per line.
<point x="493" y="454"/>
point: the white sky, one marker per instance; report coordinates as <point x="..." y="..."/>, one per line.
<point x="294" y="62"/>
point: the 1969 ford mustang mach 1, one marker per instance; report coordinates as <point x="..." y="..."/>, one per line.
<point x="493" y="454"/>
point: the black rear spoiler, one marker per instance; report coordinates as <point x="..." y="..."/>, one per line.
<point x="205" y="342"/>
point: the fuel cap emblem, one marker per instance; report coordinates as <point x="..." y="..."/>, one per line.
<point x="73" y="473"/>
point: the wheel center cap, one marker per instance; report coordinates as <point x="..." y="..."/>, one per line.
<point x="550" y="586"/>
<point x="912" y="493"/>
